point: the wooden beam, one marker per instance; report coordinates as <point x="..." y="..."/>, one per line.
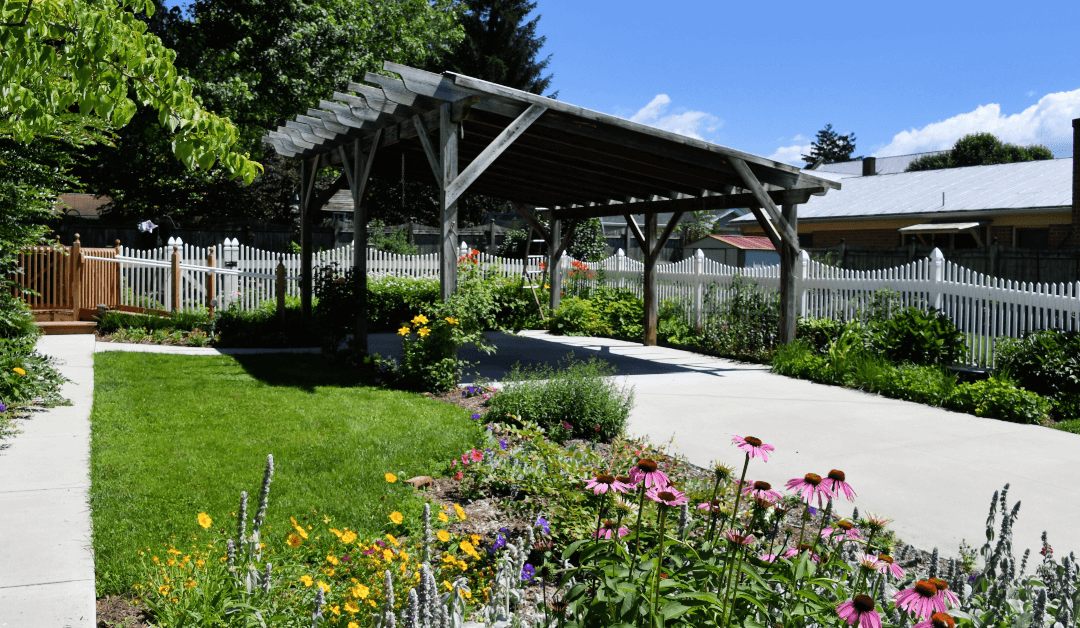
<point x="770" y="229"/>
<point x="781" y="226"/>
<point x="731" y="201"/>
<point x="493" y="150"/>
<point x="567" y="238"/>
<point x="448" y="159"/>
<point x="535" y="224"/>
<point x="669" y="229"/>
<point x="433" y="159"/>
<point x="636" y="230"/>
<point x="788" y="258"/>
<point x="650" y="307"/>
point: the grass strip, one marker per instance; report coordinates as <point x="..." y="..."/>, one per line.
<point x="173" y="436"/>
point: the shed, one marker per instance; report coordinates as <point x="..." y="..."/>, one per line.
<point x="737" y="251"/>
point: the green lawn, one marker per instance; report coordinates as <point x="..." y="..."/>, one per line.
<point x="174" y="436"/>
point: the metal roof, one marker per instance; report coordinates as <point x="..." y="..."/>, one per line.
<point x="1029" y="185"/>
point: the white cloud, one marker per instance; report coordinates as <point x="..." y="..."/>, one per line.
<point x="689" y="123"/>
<point x="791" y="154"/>
<point x="1048" y="119"/>
<point x="1031" y="93"/>
<point x="798" y="138"/>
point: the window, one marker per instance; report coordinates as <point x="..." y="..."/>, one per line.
<point x="1033" y="238"/>
<point x="806" y="240"/>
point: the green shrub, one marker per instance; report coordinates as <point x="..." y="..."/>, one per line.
<point x="912" y="335"/>
<point x="261" y="327"/>
<point x="187" y="320"/>
<point x="394" y="300"/>
<point x="578" y="317"/>
<point x="743" y="326"/>
<point x="25" y="374"/>
<point x="621" y="310"/>
<point x="798" y="359"/>
<point x="671" y="324"/>
<point x="1000" y="400"/>
<point x="573" y="401"/>
<point x="818" y="332"/>
<point x="1048" y="363"/>
<point x="396" y="241"/>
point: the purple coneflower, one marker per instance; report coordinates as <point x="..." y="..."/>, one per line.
<point x="669" y="496"/>
<point x="647" y="470"/>
<point x="769" y="558"/>
<point x="752" y="446"/>
<point x="711" y="506"/>
<point x="739" y="538"/>
<point x="609" y="529"/>
<point x="808" y="487"/>
<point x="792" y="552"/>
<point x="845" y="528"/>
<point x="921" y="599"/>
<point x="603" y="483"/>
<point x="946" y="596"/>
<point x="860" y="611"/>
<point x="886" y="564"/>
<point x="938" y="620"/>
<point x="869" y="561"/>
<point x="762" y="490"/>
<point x="834" y="483"/>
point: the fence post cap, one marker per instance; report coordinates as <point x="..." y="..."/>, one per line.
<point x="804" y="257"/>
<point x="172" y="241"/>
<point x="620" y="253"/>
<point x="700" y="253"/>
<point x="937" y="255"/>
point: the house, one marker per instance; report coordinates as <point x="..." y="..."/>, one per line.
<point x="736" y="250"/>
<point x="1027" y="204"/>
<point x="81" y="205"/>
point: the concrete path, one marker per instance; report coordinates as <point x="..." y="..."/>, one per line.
<point x="931" y="470"/>
<point x="46" y="563"/>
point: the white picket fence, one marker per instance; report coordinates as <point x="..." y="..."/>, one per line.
<point x="984" y="308"/>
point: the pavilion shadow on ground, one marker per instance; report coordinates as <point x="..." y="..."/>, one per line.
<point x="512" y="349"/>
<point x="303" y="371"/>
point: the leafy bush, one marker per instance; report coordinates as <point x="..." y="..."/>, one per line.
<point x="744" y="326"/>
<point x="261" y="327"/>
<point x="394" y="300"/>
<point x="577" y="316"/>
<point x="186" y="320"/>
<point x="396" y="241"/>
<point x="818" y="332"/>
<point x="607" y="312"/>
<point x="912" y="335"/>
<point x="798" y="359"/>
<point x="671" y="323"/>
<point x="573" y="401"/>
<point x="1048" y="363"/>
<point x="999" y="399"/>
<point x="25" y="374"/>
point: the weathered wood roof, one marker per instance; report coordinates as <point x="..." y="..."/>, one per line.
<point x="583" y="162"/>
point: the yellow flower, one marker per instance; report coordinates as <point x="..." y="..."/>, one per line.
<point x="466" y="593"/>
<point x="396" y="517"/>
<point x="360" y="592"/>
<point x="352" y="607"/>
<point x="449" y="587"/>
<point x="460" y="512"/>
<point x="173" y="550"/>
<point x="329" y="572"/>
<point x="468" y="548"/>
<point x="475" y="539"/>
<point x="419" y="319"/>
<point x="372" y="603"/>
<point x="404" y="331"/>
<point x="443" y="517"/>
<point x="348" y="537"/>
<point x="462" y="565"/>
<point x="330" y="558"/>
<point x="295" y="540"/>
<point x="390" y="477"/>
<point x="326" y="519"/>
<point x="205" y="520"/>
<point x="335" y="532"/>
<point x="325" y="587"/>
<point x="451" y="320"/>
<point x="423" y="332"/>
<point x="443" y="535"/>
<point x="163" y="589"/>
<point x="390" y="537"/>
<point x="307" y="581"/>
<point x="335" y="609"/>
<point x="299" y="529"/>
<point x="22" y="372"/>
<point x="388" y="555"/>
<point x="352" y="624"/>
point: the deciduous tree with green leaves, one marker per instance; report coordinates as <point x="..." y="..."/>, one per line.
<point x="979" y="149"/>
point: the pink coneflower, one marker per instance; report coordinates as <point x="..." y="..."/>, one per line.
<point x="762" y="490"/>
<point x="738" y="538"/>
<point x="752" y="446"/>
<point x="946" y="596"/>
<point x="869" y="561"/>
<point x="860" y="611"/>
<point x="711" y="506"/>
<point x="646" y="470"/>
<point x="603" y="483"/>
<point x="938" y="620"/>
<point x="669" y="496"/>
<point x="769" y="558"/>
<point x="834" y="483"/>
<point x="808" y="487"/>
<point x="792" y="552"/>
<point x="610" y="529"/>
<point x="886" y="564"/>
<point x="845" y="528"/>
<point x="921" y="599"/>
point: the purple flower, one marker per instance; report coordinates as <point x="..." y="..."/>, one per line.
<point x="345" y="558"/>
<point x="527" y="572"/>
<point x="500" y="542"/>
<point x="476" y="416"/>
<point x="502" y="444"/>
<point x="567" y="426"/>
<point x="542" y="524"/>
<point x="3" y="408"/>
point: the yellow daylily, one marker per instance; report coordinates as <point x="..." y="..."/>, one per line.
<point x="419" y="319"/>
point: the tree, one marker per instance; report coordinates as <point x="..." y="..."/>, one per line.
<point x="87" y="65"/>
<point x="831" y="147"/>
<point x="978" y="149"/>
<point x="501" y="47"/>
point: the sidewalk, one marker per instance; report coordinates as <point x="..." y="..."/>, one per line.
<point x="46" y="563"/>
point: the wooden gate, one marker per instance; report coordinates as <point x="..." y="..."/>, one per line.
<point x="60" y="285"/>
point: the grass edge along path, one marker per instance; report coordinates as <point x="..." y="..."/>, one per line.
<point x="173" y="436"/>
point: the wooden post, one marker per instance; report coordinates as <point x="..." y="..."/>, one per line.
<point x="554" y="274"/>
<point x="649" y="279"/>
<point x="448" y="156"/>
<point x="118" y="276"/>
<point x="174" y="273"/>
<point x="211" y="281"/>
<point x="279" y="289"/>
<point x="788" y="257"/>
<point x="307" y="185"/>
<point x="75" y="266"/>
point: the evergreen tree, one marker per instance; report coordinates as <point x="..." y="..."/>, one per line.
<point x="501" y="47"/>
<point x="831" y="147"/>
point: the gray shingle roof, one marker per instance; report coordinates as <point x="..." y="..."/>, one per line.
<point x="1016" y="186"/>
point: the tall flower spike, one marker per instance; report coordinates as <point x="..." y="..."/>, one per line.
<point x="230" y="552"/>
<point x="934" y="560"/>
<point x="753" y="446"/>
<point x="320" y="601"/>
<point x="264" y="496"/>
<point x="241" y="519"/>
<point x="428" y="539"/>
<point x="414" y="610"/>
<point x="389" y="618"/>
<point x="266" y="579"/>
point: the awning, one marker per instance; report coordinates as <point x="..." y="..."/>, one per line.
<point x="946" y="227"/>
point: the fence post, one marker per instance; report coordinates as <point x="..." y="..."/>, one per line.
<point x="279" y="289"/>
<point x="211" y="281"/>
<point x="937" y="274"/>
<point x="230" y="254"/>
<point x="802" y="273"/>
<point x="463" y="250"/>
<point x="175" y="274"/>
<point x="699" y="287"/>
<point x="76" y="277"/>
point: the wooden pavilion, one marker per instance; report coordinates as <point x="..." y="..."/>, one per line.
<point x="538" y="153"/>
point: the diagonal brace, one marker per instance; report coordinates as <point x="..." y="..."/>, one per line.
<point x="492" y="152"/>
<point x="433" y="159"/>
<point x="783" y="229"/>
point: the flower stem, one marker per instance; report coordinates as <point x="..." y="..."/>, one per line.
<point x="600" y="515"/>
<point x="640" y="510"/>
<point x="659" y="563"/>
<point x="712" y="514"/>
<point x="738" y="493"/>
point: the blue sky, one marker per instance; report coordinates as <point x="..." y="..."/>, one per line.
<point x="764" y="77"/>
